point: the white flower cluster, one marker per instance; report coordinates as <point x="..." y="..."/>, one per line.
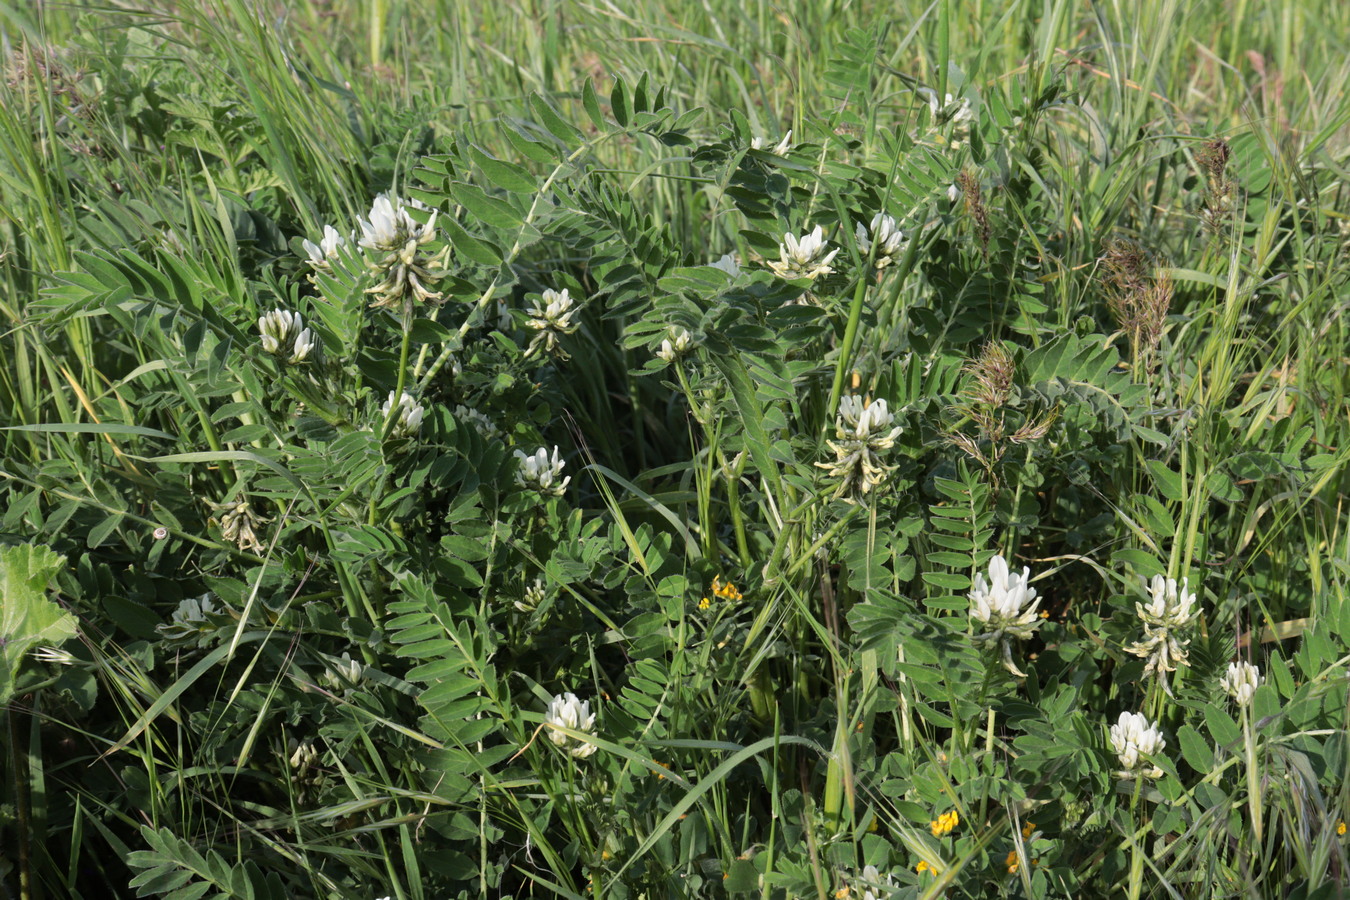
<point x="675" y="346"/>
<point x="954" y="110"/>
<point x="551" y="317"/>
<point x="566" y="711"/>
<point x="1005" y="608"/>
<point x="1240" y="682"/>
<point x="322" y="254"/>
<point x="395" y="237"/>
<point x="727" y="263"/>
<point x="342" y="673"/>
<point x="875" y="886"/>
<point x="863" y="431"/>
<point x="390" y="228"/>
<point x="408" y="414"/>
<point x="534" y="595"/>
<point x="1134" y="741"/>
<point x="1170" y="608"/>
<point x="240" y="524"/>
<point x="541" y="473"/>
<point x="779" y="149"/>
<point x="481" y="423"/>
<point x="803" y="257"/>
<point x="885" y="236"/>
<point x="284" y="335"/>
<point x="951" y="109"/>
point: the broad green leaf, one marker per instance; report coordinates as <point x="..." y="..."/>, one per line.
<point x="27" y="618"/>
<point x="505" y="175"/>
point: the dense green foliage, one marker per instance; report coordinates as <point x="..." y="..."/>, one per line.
<point x="292" y="606"/>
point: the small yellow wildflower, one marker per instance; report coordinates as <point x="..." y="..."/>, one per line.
<point x="1011" y="862"/>
<point x="944" y="823"/>
<point x="704" y="603"/>
<point x="1340" y="828"/>
<point x="841" y="893"/>
<point x="1027" y="829"/>
<point x="922" y="867"/>
<point x="725" y="590"/>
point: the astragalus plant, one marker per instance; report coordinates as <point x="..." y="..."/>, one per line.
<point x="796" y="453"/>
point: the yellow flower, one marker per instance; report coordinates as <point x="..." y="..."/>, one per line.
<point x="704" y="603"/>
<point x="1027" y="829"/>
<point x="1011" y="862"/>
<point x="944" y="823"/>
<point x="922" y="867"/>
<point x="727" y="590"/>
<point x="1340" y="828"/>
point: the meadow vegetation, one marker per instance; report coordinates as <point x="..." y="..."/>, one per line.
<point x="639" y="449"/>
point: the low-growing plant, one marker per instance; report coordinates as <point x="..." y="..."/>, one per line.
<point x="936" y="494"/>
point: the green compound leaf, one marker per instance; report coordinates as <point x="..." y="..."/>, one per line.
<point x="27" y="618"/>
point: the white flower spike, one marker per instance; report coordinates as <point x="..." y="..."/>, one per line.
<point x="1134" y="741"/>
<point x="408" y="418"/>
<point x="1170" y="608"/>
<point x="284" y="334"/>
<point x="863" y="431"/>
<point x="322" y="254"/>
<point x="779" y="149"/>
<point x="551" y="317"/>
<point x="1005" y="607"/>
<point x="675" y="346"/>
<point x="541" y="473"/>
<point x="888" y="239"/>
<point x="566" y="711"/>
<point x="803" y="257"/>
<point x="727" y="263"/>
<point x="1240" y="682"/>
<point x="395" y="237"/>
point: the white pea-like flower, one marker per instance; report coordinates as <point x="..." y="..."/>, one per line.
<point x="283" y="333"/>
<point x="1004" y="607"/>
<point x="303" y="346"/>
<point x="322" y="254"/>
<point x="534" y="595"/>
<point x="951" y="109"/>
<point x="888" y="239"/>
<point x="863" y="431"/>
<point x="481" y="423"/>
<point x="803" y="257"/>
<point x="1135" y="741"/>
<point x="874" y="885"/>
<point x="389" y="227"/>
<point x="342" y="673"/>
<point x="540" y="472"/>
<point x="1170" y="608"/>
<point x="551" y="317"/>
<point x="395" y="237"/>
<point x="566" y="711"/>
<point x="1241" y="681"/>
<point x="727" y="263"/>
<point x="779" y="149"/>
<point x="408" y="416"/>
<point x="675" y="346"/>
